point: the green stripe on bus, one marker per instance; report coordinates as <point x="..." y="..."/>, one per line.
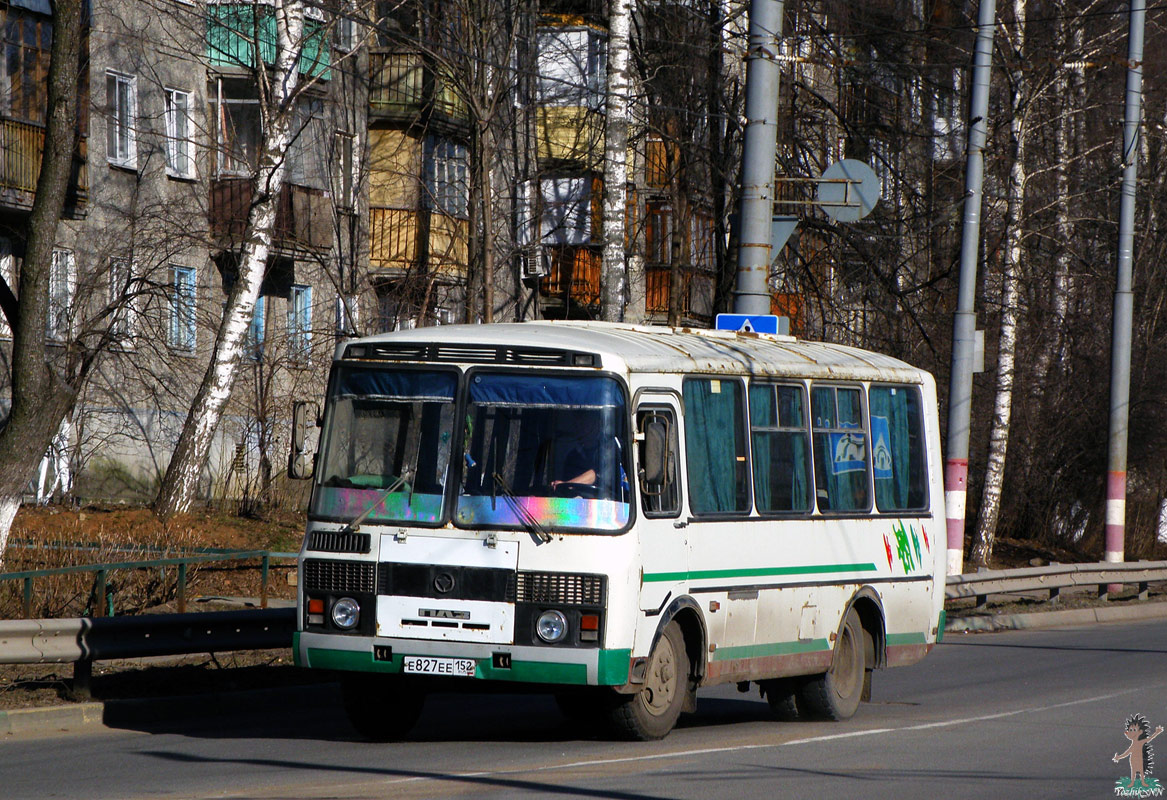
<point x="896" y="639"/>
<point x="771" y="649"/>
<point x="613" y="667"/>
<point x="756" y="572"/>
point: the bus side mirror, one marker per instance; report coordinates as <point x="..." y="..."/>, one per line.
<point x="304" y="415"/>
<point x="656" y="452"/>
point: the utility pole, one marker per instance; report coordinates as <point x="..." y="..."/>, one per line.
<point x="1120" y="347"/>
<point x="752" y="292"/>
<point x="964" y="324"/>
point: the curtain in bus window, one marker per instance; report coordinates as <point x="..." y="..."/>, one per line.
<point x="715" y="446"/>
<point x="780" y="448"/>
<point x="896" y="458"/>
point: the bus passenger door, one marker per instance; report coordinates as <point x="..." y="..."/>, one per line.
<point x="663" y="546"/>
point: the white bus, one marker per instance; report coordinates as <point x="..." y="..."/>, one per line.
<point x="619" y="515"/>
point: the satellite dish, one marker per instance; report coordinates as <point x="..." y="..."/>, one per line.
<point x="848" y="190"/>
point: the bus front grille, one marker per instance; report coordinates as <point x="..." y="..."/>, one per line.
<point x="338" y="577"/>
<point x="560" y="588"/>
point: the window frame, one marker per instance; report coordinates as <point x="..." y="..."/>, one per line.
<point x="62" y="291"/>
<point x="123" y="325"/>
<point x="182" y="330"/>
<point x="120" y="123"/>
<point x="180" y="162"/>
<point x="300" y="324"/>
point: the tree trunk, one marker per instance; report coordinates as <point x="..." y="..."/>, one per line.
<point x="613" y="278"/>
<point x="190" y="456"/>
<point x="986" y="531"/>
<point x="42" y="396"/>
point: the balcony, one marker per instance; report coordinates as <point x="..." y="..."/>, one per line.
<point x="304" y="217"/>
<point x="409" y="241"/>
<point x="404" y="88"/>
<point x="574" y="281"/>
<point x="21" y="145"/>
<point x="696" y="294"/>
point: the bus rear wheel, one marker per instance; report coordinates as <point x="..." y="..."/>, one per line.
<point x="653" y="711"/>
<point x="381" y="708"/>
<point x="836" y="693"/>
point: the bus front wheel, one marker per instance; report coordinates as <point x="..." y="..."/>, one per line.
<point x="653" y="711"/>
<point x="381" y="708"/>
<point x="836" y="693"/>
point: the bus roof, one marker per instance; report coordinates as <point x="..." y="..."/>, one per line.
<point x="644" y="349"/>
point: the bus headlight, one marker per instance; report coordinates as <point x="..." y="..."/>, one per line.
<point x="346" y="613"/>
<point x="551" y="626"/>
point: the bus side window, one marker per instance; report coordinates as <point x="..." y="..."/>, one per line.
<point x="659" y="484"/>
<point x="841" y="465"/>
<point x="781" y="448"/>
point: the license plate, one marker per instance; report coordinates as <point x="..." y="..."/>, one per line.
<point x="428" y="665"/>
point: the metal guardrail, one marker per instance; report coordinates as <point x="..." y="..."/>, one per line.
<point x="85" y="640"/>
<point x="102" y="571"/>
<point x="1054" y="578"/>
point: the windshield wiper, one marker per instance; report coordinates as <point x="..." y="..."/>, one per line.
<point x="404" y="480"/>
<point x="525" y="516"/>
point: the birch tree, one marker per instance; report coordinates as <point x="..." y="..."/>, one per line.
<point x="277" y="90"/>
<point x="1012" y="255"/>
<point x="617" y="122"/>
<point x="43" y="388"/>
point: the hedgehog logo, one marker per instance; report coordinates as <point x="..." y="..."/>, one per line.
<point x="1142" y="759"/>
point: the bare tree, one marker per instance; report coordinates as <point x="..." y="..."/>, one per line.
<point x="44" y="384"/>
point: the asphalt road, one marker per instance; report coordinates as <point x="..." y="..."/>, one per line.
<point x="1024" y="714"/>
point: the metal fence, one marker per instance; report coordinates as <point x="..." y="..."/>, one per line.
<point x="182" y="563"/>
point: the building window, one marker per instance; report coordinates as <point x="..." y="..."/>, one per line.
<point x="8" y="274"/>
<point x="236" y="132"/>
<point x="179" y="149"/>
<point x="308" y="149"/>
<point x="257" y="329"/>
<point x="572" y="65"/>
<point x="121" y="105"/>
<point x="446" y="183"/>
<point x="658" y="233"/>
<point x="346" y="315"/>
<point x="120" y="300"/>
<point x="61" y="282"/>
<point x="181" y="335"/>
<point x="346" y="28"/>
<point x="300" y="324"/>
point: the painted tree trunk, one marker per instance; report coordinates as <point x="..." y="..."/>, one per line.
<point x="180" y="484"/>
<point x="986" y="531"/>
<point x="612" y="283"/>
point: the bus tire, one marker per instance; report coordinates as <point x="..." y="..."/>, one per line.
<point x="782" y="696"/>
<point x="653" y="711"/>
<point x="835" y="694"/>
<point x="381" y="708"/>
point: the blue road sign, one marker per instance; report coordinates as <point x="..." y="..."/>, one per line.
<point x="751" y="323"/>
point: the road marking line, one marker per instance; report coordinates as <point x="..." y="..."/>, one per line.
<point x="744" y="747"/>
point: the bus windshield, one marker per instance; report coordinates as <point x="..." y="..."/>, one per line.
<point x="386" y="445"/>
<point x="544" y="451"/>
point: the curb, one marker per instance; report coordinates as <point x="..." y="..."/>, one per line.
<point x="54" y="719"/>
<point x="1057" y="619"/>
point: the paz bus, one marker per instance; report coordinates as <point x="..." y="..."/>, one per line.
<point x="617" y="515"/>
